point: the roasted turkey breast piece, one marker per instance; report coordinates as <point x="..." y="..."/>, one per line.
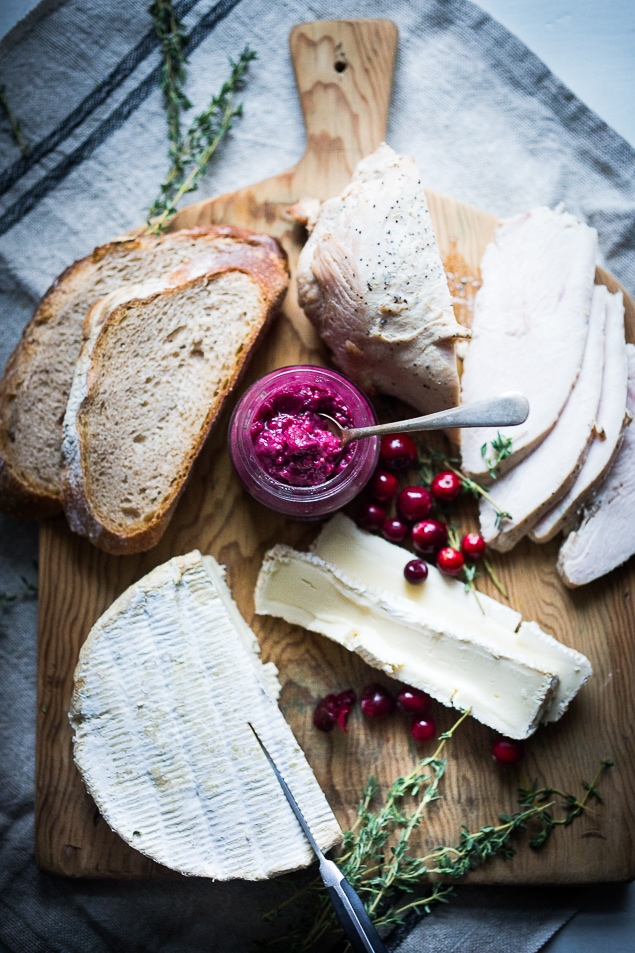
<point x="605" y="537"/>
<point x="607" y="432"/>
<point x="537" y="482"/>
<point x="371" y="280"/>
<point x="529" y="325"/>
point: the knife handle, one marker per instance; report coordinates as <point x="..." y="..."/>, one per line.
<point x="357" y="925"/>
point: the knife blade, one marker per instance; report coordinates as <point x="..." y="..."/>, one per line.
<point x="351" y="913"/>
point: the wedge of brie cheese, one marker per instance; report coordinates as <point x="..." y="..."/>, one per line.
<point x="441" y="657"/>
<point x="166" y="688"/>
<point x="378" y="565"/>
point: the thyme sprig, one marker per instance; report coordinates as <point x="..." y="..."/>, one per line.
<point x="501" y="450"/>
<point x="391" y="881"/>
<point x="537" y="809"/>
<point x="199" y="144"/>
<point x="16" y="132"/>
<point x="171" y="36"/>
<point x="469" y="572"/>
<point x="436" y="458"/>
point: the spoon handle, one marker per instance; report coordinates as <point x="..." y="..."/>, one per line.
<point x="506" y="410"/>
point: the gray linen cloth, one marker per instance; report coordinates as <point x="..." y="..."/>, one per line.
<point x="487" y="122"/>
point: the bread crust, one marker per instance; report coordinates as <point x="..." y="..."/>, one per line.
<point x="259" y="257"/>
<point x="21" y="494"/>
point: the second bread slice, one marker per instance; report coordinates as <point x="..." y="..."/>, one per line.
<point x="157" y="364"/>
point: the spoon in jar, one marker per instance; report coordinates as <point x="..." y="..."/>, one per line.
<point x="506" y="410"/>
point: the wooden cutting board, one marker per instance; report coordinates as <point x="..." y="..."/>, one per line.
<point x="343" y="71"/>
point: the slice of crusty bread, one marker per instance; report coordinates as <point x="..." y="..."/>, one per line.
<point x="156" y="366"/>
<point x="35" y="388"/>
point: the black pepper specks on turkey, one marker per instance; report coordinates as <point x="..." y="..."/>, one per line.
<point x="371" y="280"/>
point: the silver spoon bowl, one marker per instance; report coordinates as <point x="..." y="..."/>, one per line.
<point x="506" y="410"/>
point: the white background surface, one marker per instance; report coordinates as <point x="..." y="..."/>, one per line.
<point x="590" y="46"/>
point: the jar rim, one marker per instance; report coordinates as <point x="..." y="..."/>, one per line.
<point x="277" y="494"/>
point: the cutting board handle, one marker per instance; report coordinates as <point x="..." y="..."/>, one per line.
<point x="344" y="70"/>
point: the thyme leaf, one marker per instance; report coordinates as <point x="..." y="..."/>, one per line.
<point x="436" y="457"/>
<point x="169" y="31"/>
<point x="13" y="123"/>
<point x="199" y="144"/>
<point x="501" y="449"/>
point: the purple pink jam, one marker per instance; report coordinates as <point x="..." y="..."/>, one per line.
<point x="292" y="443"/>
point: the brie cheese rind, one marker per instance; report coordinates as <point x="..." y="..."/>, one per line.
<point x="166" y="687"/>
<point x="378" y="564"/>
<point x="481" y="656"/>
<point x="505" y="692"/>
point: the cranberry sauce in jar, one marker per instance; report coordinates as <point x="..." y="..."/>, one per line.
<point x="283" y="450"/>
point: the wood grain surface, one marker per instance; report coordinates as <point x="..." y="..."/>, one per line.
<point x="344" y="71"/>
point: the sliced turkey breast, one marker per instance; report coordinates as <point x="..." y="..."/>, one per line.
<point x="529" y="326"/>
<point x="605" y="537"/>
<point x="371" y="280"/>
<point x="538" y="481"/>
<point x="608" y="430"/>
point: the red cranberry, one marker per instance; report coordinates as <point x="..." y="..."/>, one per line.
<point x="428" y="536"/>
<point x="414" y="503"/>
<point x="416" y="570"/>
<point x="450" y="561"/>
<point x="397" y="451"/>
<point x="472" y="545"/>
<point x="423" y="729"/>
<point x="370" y="516"/>
<point x="377" y="702"/>
<point x="325" y="713"/>
<point x="413" y="700"/>
<point x="446" y="486"/>
<point x="334" y="709"/>
<point x="344" y="701"/>
<point x="507" y="751"/>
<point x="395" y="531"/>
<point x="383" y="486"/>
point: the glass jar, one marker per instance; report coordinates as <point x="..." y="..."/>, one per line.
<point x="284" y="453"/>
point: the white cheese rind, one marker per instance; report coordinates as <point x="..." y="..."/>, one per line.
<point x="434" y="654"/>
<point x="166" y="687"/>
<point x="378" y="565"/>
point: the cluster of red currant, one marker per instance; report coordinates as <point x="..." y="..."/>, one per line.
<point x="377" y="701"/>
<point x="413" y="505"/>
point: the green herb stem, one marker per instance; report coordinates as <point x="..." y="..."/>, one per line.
<point x="469" y="485"/>
<point x="501" y="450"/>
<point x="386" y="877"/>
<point x="171" y="36"/>
<point x="199" y="144"/>
<point x="490" y="571"/>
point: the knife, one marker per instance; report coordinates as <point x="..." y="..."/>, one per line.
<point x="357" y="925"/>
